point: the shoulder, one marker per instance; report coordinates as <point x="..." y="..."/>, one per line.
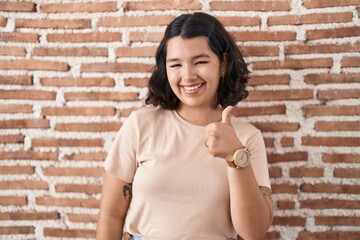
<point x="147" y="111"/>
<point x="238" y="123"/>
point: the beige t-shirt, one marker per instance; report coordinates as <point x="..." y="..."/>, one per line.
<point x="180" y="192"/>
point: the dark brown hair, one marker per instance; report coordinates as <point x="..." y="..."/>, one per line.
<point x="231" y="88"/>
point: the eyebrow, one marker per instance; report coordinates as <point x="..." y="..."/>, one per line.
<point x="202" y="55"/>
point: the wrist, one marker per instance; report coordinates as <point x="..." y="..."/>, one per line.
<point x="240" y="158"/>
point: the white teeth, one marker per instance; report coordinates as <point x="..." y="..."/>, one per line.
<point x="192" y="88"/>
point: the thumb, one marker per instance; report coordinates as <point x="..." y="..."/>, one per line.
<point x="226" y="115"/>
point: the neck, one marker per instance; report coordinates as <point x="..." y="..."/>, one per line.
<point x="199" y="116"/>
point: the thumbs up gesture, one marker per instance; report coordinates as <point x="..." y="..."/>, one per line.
<point x="220" y="138"/>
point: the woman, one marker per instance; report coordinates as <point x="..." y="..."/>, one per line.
<point x="182" y="167"/>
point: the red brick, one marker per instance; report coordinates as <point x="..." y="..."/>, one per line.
<point x="333" y="110"/>
<point x="66" y="142"/>
<point x="285" y="204"/>
<point x="93" y="156"/>
<point x="104" y="96"/>
<point x="347" y="172"/>
<point x="17" y="170"/>
<point x="18" y="230"/>
<point x="337" y="126"/>
<point x="80" y="188"/>
<point x="28" y="155"/>
<point x="250" y="6"/>
<point x="88" y="127"/>
<point x="12" y="138"/>
<point x="79" y="82"/>
<point x="34" y="65"/>
<point x="269" y="142"/>
<point x="321" y="48"/>
<point x="306" y="172"/>
<point x="86" y="218"/>
<point x="294" y="64"/>
<point x="248" y="51"/>
<point x="325" y="78"/>
<point x="135" y="51"/>
<point x="136" y="82"/>
<point x="272" y="235"/>
<point x="289" y="221"/>
<point x="263" y="36"/>
<point x="287" y="142"/>
<point x="330" y="188"/>
<point x="9" y="6"/>
<point x="276" y="126"/>
<point x="284" y="188"/>
<point x="24" y="184"/>
<point x="129" y="21"/>
<point x="116" y="67"/>
<point x="53" y="23"/>
<point x="333" y="33"/>
<point x="16" y="108"/>
<point x="287" y="157"/>
<point x="324" y="203"/>
<point x="78" y="111"/>
<point x="348" y="235"/>
<point x="269" y="79"/>
<point x="341" y="158"/>
<point x="350" y="61"/>
<point x="29" y="216"/>
<point x="84" y="37"/>
<point x="315" y="18"/>
<point x="75" y="52"/>
<point x="27" y="94"/>
<point x="3" y="22"/>
<point x="79" y="7"/>
<point x="336" y="221"/>
<point x="69" y="233"/>
<point x="330" y="141"/>
<point x="275" y="172"/>
<point x="239" y="21"/>
<point x="328" y="3"/>
<point x="13" y="200"/>
<point x="338" y="94"/>
<point x="146" y="36"/>
<point x="24" y="123"/>
<point x="68" y="202"/>
<point x="19" y="37"/>
<point x="62" y="171"/>
<point x="162" y="5"/>
<point x="16" y="80"/>
<point x="12" y="51"/>
<point x="255" y="111"/>
<point x="273" y="95"/>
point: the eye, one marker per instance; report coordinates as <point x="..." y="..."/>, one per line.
<point x="175" y="65"/>
<point x="201" y="62"/>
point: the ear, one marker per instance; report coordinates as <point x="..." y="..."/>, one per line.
<point x="223" y="65"/>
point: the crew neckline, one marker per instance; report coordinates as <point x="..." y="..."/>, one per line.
<point x="184" y="122"/>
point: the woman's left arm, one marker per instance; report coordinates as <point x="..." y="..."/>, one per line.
<point x="251" y="205"/>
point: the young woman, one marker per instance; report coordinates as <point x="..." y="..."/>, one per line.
<point x="182" y="167"/>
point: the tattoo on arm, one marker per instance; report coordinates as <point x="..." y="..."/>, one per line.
<point x="127" y="191"/>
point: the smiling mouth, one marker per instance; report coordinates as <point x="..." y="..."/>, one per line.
<point x="192" y="89"/>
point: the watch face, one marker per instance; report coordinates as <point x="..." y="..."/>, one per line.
<point x="242" y="158"/>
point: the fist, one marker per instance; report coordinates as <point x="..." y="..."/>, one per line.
<point x="220" y="137"/>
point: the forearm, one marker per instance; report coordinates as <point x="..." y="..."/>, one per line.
<point x="109" y="227"/>
<point x="250" y="210"/>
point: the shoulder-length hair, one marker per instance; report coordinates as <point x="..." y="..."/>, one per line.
<point x="231" y="89"/>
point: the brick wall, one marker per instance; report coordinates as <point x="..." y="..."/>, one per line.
<point x="72" y="71"/>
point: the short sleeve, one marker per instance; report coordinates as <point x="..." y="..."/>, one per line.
<point x="121" y="159"/>
<point x="258" y="159"/>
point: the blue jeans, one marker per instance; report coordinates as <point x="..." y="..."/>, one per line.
<point x="132" y="237"/>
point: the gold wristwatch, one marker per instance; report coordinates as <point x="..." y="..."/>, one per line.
<point x="240" y="158"/>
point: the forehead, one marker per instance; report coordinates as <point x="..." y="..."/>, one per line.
<point x="182" y="48"/>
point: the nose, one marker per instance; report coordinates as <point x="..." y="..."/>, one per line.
<point x="188" y="73"/>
